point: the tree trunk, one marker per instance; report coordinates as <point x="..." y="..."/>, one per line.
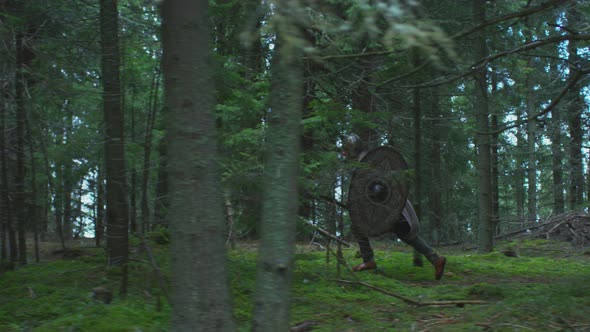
<point x="200" y="296"/>
<point x="531" y="150"/>
<point x="575" y="109"/>
<point x="41" y="190"/>
<point x="133" y="175"/>
<point x="588" y="183"/>
<point x="531" y="129"/>
<point x="276" y="253"/>
<point x="22" y="60"/>
<point x="306" y="201"/>
<point x="495" y="172"/>
<point x="161" y="200"/>
<point x="437" y="172"/>
<point x="35" y="207"/>
<point x="556" y="159"/>
<point x="5" y="207"/>
<point x="67" y="180"/>
<point x="117" y="214"/>
<point x="519" y="173"/>
<point x="53" y="187"/>
<point x="495" y="175"/>
<point x="486" y="227"/>
<point x="417" y="110"/>
<point x="99" y="221"/>
<point x="147" y="150"/>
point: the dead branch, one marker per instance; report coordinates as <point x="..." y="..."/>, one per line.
<point x="409" y="300"/>
<point x="328" y="234"/>
<point x="380" y="290"/>
<point x="304" y="326"/>
<point x="459" y="303"/>
<point x="522" y="230"/>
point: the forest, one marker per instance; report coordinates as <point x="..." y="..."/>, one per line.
<point x="176" y="165"/>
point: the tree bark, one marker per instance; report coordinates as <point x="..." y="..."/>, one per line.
<point x="22" y="61"/>
<point x="35" y="209"/>
<point x="276" y="253"/>
<point x="556" y="161"/>
<point x="531" y="150"/>
<point x="531" y="130"/>
<point x="486" y="227"/>
<point x="99" y="221"/>
<point x="117" y="214"/>
<point x="67" y="179"/>
<point x="436" y="162"/>
<point x="147" y="150"/>
<point x="495" y="172"/>
<point x="6" y="209"/>
<point x="161" y="200"/>
<point x="575" y="109"/>
<point x="53" y="187"/>
<point x="133" y="175"/>
<point x="417" y="110"/>
<point x="519" y="174"/>
<point x="495" y="175"/>
<point x="200" y="290"/>
<point x="306" y="201"/>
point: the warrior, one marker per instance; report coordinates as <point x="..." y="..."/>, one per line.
<point x="376" y="197"/>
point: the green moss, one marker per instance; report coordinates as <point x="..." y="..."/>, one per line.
<point x="485" y="291"/>
<point x="536" y="292"/>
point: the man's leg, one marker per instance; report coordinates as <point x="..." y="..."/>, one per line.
<point x="366" y="251"/>
<point x="422" y="247"/>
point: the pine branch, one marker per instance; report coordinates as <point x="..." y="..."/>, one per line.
<point x="578" y="76"/>
<point x="527" y="12"/>
<point x="484" y="62"/>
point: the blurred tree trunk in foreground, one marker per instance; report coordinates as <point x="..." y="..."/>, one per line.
<point x="276" y="253"/>
<point x="200" y="296"/>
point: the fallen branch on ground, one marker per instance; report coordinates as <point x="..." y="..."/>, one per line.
<point x="409" y="300"/>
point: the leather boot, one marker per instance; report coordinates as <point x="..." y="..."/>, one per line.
<point x="439" y="267"/>
<point x="365" y="266"/>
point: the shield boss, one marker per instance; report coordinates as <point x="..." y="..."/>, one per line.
<point x="378" y="191"/>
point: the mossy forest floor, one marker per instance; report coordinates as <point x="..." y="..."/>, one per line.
<point x="547" y="288"/>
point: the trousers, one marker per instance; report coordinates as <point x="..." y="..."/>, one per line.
<point x="404" y="231"/>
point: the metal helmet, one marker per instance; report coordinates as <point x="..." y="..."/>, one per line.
<point x="352" y="145"/>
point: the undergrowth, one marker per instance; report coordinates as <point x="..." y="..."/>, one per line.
<point x="535" y="292"/>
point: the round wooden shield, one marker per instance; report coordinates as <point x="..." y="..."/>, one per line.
<point x="378" y="191"/>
